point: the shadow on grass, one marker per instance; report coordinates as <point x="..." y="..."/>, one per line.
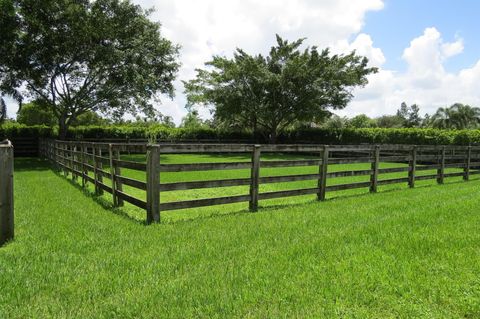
<point x="24" y="164"/>
<point x="105" y="204"/>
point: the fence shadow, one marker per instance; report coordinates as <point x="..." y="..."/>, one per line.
<point x="104" y="203"/>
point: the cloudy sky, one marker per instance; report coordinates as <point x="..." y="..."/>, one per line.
<point x="427" y="51"/>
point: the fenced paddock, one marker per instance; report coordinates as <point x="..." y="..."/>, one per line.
<point x="134" y="172"/>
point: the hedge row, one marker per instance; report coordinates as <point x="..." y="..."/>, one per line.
<point x="320" y="136"/>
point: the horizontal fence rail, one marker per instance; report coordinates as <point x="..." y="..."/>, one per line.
<point x="96" y="163"/>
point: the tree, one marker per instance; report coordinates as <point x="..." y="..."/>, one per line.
<point x="361" y="121"/>
<point x="410" y="115"/>
<point x="457" y="116"/>
<point x="36" y="113"/>
<point x="336" y="122"/>
<point x="390" y="121"/>
<point x="89" y="118"/>
<point x="81" y="55"/>
<point x="270" y="93"/>
<point x="192" y="120"/>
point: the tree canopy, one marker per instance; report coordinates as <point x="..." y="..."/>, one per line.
<point x="36" y="113"/>
<point x="457" y="116"/>
<point x="270" y="93"/>
<point x="81" y="55"/>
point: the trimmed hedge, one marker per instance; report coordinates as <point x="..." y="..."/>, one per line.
<point x="12" y="130"/>
<point x="317" y="135"/>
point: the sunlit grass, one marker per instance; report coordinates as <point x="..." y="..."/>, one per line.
<point x="403" y="253"/>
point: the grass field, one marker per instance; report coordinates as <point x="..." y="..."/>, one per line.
<point x="400" y="253"/>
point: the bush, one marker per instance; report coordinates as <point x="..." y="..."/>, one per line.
<point x="314" y="135"/>
<point x="12" y="130"/>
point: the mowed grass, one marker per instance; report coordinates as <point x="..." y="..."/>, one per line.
<point x="409" y="253"/>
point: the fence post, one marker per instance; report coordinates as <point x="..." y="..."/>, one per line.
<point x="322" y="174"/>
<point x="117" y="172"/>
<point x="95" y="169"/>
<point x="73" y="149"/>
<point x="412" y="168"/>
<point x="466" y="170"/>
<point x="82" y="160"/>
<point x="153" y="184"/>
<point x="99" y="169"/>
<point x="64" y="159"/>
<point x="6" y="193"/>
<point x="374" y="167"/>
<point x="254" y="178"/>
<point x="441" y="169"/>
<point x="112" y="175"/>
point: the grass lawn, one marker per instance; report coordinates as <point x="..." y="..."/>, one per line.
<point x="398" y="253"/>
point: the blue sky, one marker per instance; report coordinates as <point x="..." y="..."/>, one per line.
<point x="393" y="27"/>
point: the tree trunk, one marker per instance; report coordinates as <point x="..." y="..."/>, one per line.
<point x="62" y="127"/>
<point x="273" y="137"/>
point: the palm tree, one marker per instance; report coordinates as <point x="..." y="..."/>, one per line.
<point x="457" y="116"/>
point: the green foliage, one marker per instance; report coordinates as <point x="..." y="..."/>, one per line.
<point x="410" y="115"/>
<point x="89" y="118"/>
<point x="12" y="129"/>
<point x="36" y="113"/>
<point x="192" y="121"/>
<point x="269" y="94"/>
<point x="419" y="136"/>
<point x="457" y="116"/>
<point x="390" y="121"/>
<point x="104" y="55"/>
<point x="361" y="121"/>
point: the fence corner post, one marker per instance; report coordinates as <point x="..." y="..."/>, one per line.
<point x="6" y="194"/>
<point x="322" y="174"/>
<point x="153" y="184"/>
<point x="254" y="178"/>
<point x="412" y="168"/>
<point x="374" y="167"/>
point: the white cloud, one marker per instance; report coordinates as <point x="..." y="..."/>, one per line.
<point x="209" y="27"/>
<point x="426" y="82"/>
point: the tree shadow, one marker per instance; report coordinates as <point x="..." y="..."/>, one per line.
<point x="23" y="164"/>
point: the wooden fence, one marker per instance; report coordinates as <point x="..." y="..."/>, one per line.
<point x="86" y="160"/>
<point x="6" y="192"/>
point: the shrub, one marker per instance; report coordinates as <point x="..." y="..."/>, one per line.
<point x="314" y="135"/>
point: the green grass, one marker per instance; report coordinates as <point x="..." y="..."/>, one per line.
<point x="396" y="254"/>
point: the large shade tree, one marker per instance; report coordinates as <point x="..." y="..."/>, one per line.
<point x="82" y="55"/>
<point x="271" y="93"/>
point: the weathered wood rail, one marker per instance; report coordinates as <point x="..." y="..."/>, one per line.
<point x="85" y="160"/>
<point x="6" y="192"/>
